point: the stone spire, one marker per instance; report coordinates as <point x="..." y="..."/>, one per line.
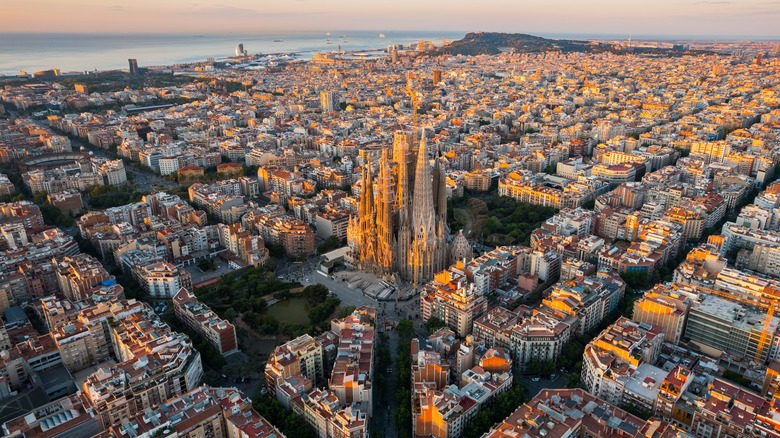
<point x="442" y="228"/>
<point x="398" y="229"/>
<point x="423" y="213"/>
<point x="404" y="150"/>
<point x="440" y="191"/>
<point x="384" y="215"/>
<point x="366" y="215"/>
<point x="403" y="244"/>
<point x="423" y="220"/>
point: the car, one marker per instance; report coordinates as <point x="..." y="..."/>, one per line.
<point x="224" y="377"/>
<point x="535" y="379"/>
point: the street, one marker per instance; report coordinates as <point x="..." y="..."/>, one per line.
<point x="385" y="402"/>
<point x="307" y="274"/>
<point x="144" y="181"/>
<point x="532" y="388"/>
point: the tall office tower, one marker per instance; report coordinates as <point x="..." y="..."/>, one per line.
<point x="395" y="233"/>
<point x="133" y="66"/>
<point x="394" y="54"/>
<point x="240" y="49"/>
<point x="436" y="76"/>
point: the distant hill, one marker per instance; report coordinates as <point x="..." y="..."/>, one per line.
<point x="491" y="43"/>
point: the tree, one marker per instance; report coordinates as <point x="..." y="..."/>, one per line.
<point x="533" y="366"/>
<point x="403" y="414"/>
<point x="344" y="312"/>
<point x="205" y="264"/>
<point x="547" y="367"/>
<point x="574" y="381"/>
<point x="315" y="294"/>
<point x="405" y="329"/>
<point x="494" y="412"/>
<point x="635" y="280"/>
<point x="275" y="249"/>
<point x="492" y="225"/>
<point x="282" y="295"/>
<point x="288" y="422"/>
<point x="433" y="323"/>
<point x="321" y="312"/>
<point x="329" y="244"/>
<point x="633" y="409"/>
<point x="572" y="353"/>
<point x="736" y="378"/>
<point x="263" y="324"/>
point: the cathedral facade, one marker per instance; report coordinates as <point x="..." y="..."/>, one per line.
<point x="401" y="231"/>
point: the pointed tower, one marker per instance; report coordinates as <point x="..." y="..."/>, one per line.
<point x="461" y="250"/>
<point x="423" y="251"/>
<point x="404" y="143"/>
<point x="384" y="216"/>
<point x="367" y="216"/>
<point x="403" y="240"/>
<point x="442" y="229"/>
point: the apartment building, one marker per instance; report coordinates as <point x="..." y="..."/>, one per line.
<point x="300" y="356"/>
<point x="540" y="337"/>
<point x="199" y="317"/>
<point x="494" y="327"/>
<point x="351" y="379"/>
<point x="570" y="413"/>
<point x="729" y="410"/>
<point x="153" y="365"/>
<point x="664" y="308"/>
<point x="615" y="355"/>
<point x="162" y="279"/>
<point x="589" y="299"/>
<point x="452" y="298"/>
<point x="80" y="275"/>
<point x="726" y="326"/>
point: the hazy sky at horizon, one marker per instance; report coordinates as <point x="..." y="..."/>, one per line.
<point x="638" y="17"/>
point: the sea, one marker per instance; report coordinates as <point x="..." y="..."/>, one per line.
<point x="74" y="52"/>
<point x="70" y="52"/>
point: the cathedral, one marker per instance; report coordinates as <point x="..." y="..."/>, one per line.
<point x="399" y="232"/>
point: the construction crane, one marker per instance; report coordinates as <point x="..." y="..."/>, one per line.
<point x="765" y="335"/>
<point x="411" y="90"/>
<point x="769" y="298"/>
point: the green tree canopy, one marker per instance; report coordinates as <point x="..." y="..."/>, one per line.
<point x="405" y="329"/>
<point x="315" y="294"/>
<point x="433" y="324"/>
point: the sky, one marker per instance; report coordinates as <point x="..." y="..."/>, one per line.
<point x="612" y="17"/>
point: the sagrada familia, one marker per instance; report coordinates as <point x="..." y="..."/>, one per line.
<point x="401" y="233"/>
